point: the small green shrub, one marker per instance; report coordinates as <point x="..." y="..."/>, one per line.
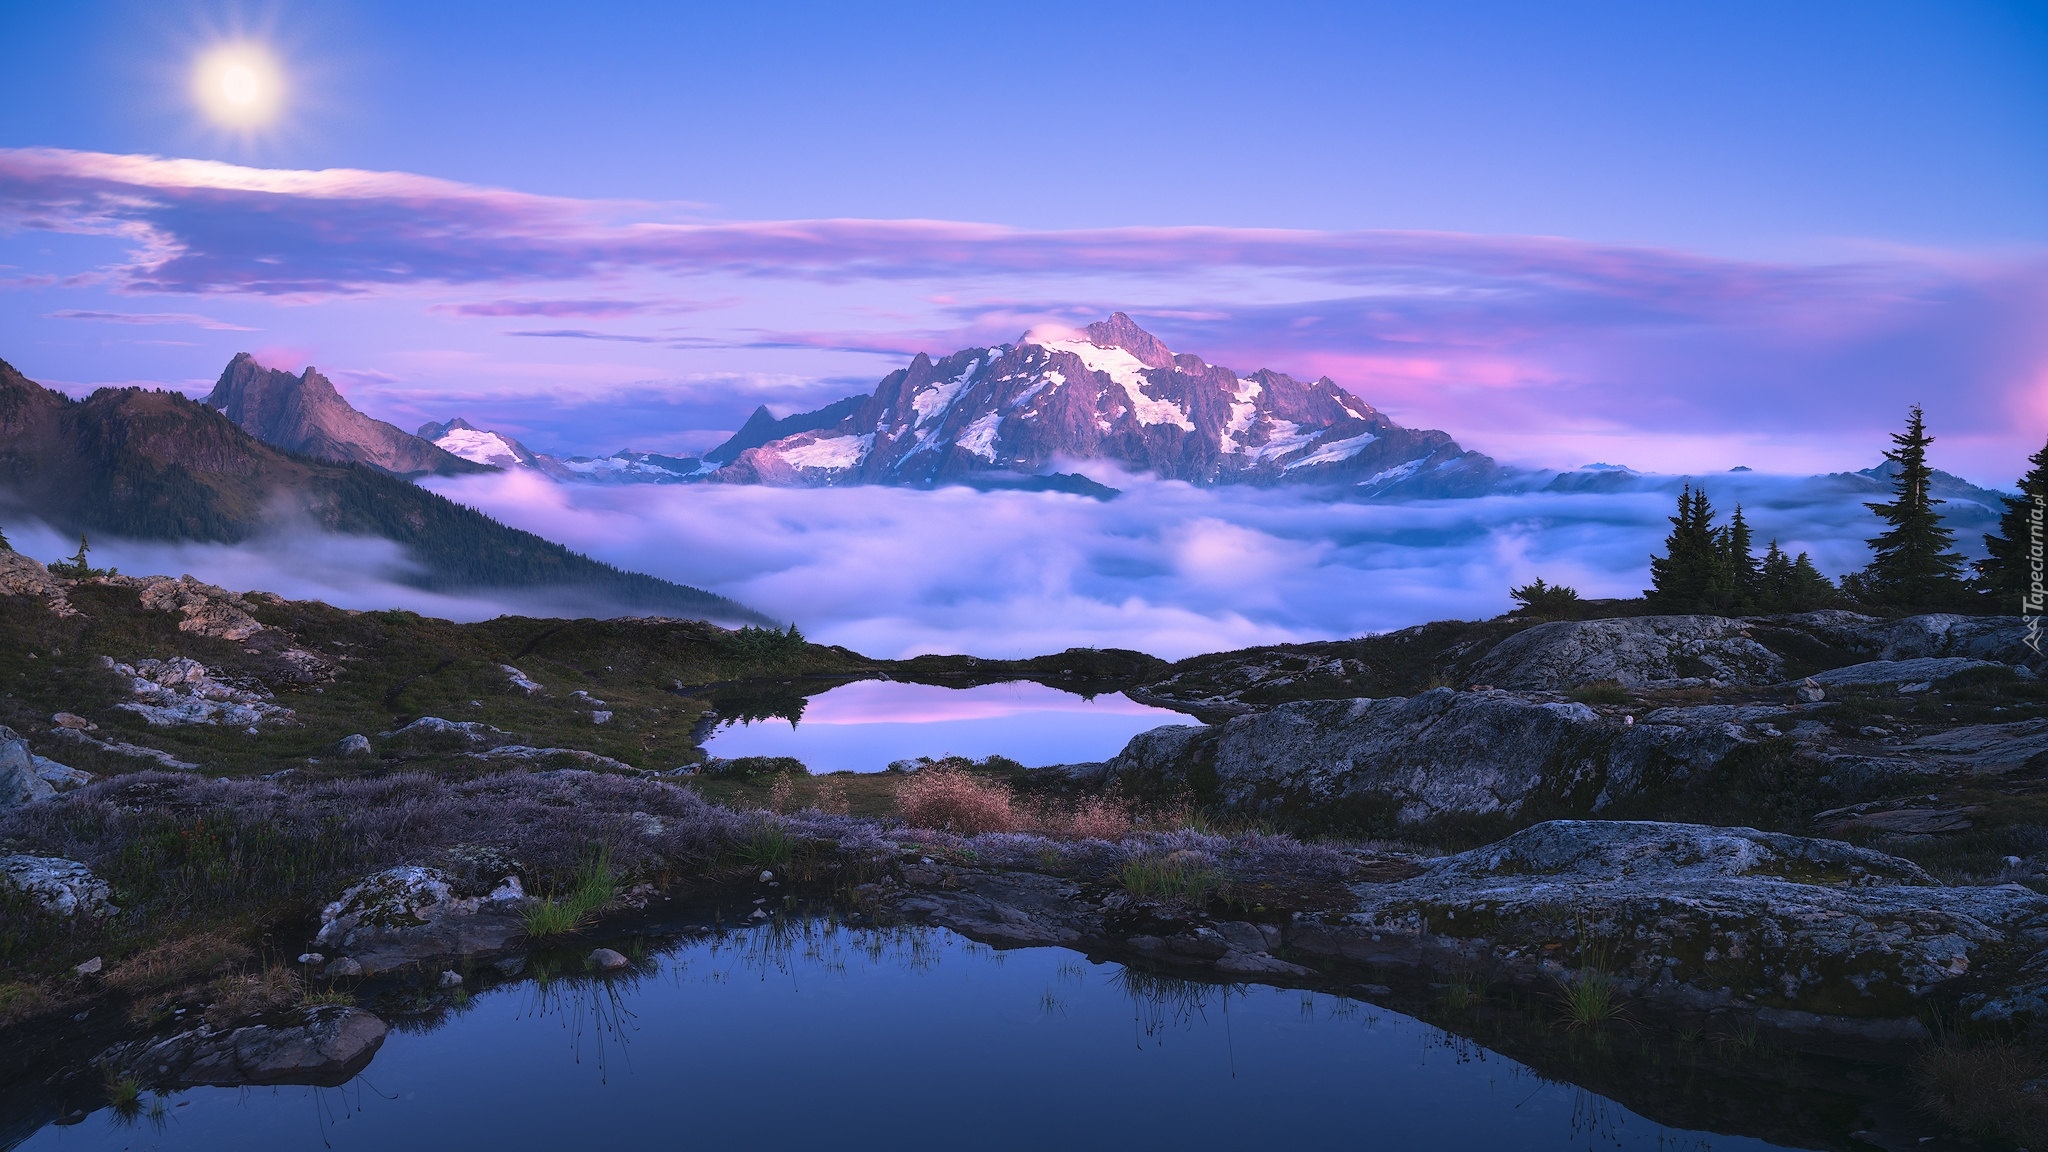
<point x="750" y="767"/>
<point x="1540" y="599"/>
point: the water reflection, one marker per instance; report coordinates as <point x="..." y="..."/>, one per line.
<point x="862" y="726"/>
<point x="803" y="1032"/>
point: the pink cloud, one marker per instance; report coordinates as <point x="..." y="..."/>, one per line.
<point x="1524" y="346"/>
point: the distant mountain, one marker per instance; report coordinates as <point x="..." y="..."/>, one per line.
<point x="1965" y="509"/>
<point x="763" y="428"/>
<point x="304" y="414"/>
<point x="458" y="437"/>
<point x="461" y="438"/>
<point x="1112" y="393"/>
<point x="157" y="466"/>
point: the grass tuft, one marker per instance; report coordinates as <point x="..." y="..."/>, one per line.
<point x="1183" y="876"/>
<point x="1589" y="998"/>
<point x="124" y="1095"/>
<point x="595" y="889"/>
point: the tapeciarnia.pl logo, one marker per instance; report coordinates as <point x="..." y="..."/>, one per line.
<point x="2036" y="599"/>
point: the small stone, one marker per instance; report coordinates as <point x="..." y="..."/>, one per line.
<point x="1809" y="692"/>
<point x="345" y="966"/>
<point x="355" y="744"/>
<point x="2013" y="861"/>
<point x="312" y="958"/>
<point x="758" y="915"/>
<point x="600" y="717"/>
<point x="766" y="876"/>
<point x="606" y="960"/>
<point x="90" y="967"/>
<point x="73" y="721"/>
<point x="449" y="980"/>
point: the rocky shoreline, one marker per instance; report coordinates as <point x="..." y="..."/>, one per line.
<point x="1826" y="830"/>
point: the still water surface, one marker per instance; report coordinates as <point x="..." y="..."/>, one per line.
<point x="802" y="1034"/>
<point x="862" y="726"/>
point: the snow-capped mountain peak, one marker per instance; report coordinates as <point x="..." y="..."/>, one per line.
<point x="460" y="437"/>
<point x="1113" y="392"/>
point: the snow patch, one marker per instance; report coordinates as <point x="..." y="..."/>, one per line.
<point x="1051" y="378"/>
<point x="980" y="436"/>
<point x="1335" y="450"/>
<point x="1286" y="436"/>
<point x="933" y="402"/>
<point x="480" y="447"/>
<point x="1128" y="373"/>
<point x="832" y="452"/>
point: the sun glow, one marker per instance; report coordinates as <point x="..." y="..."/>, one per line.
<point x="239" y="85"/>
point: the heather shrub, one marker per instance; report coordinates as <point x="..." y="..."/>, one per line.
<point x="952" y="800"/>
<point x="748" y="767"/>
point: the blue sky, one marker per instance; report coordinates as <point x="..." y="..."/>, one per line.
<point x="1685" y="236"/>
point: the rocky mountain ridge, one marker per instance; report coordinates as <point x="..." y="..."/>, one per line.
<point x="152" y="465"/>
<point x="304" y="414"/>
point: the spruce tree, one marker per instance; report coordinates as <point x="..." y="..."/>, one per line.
<point x="2008" y="574"/>
<point x="1738" y="576"/>
<point x="1687" y="576"/>
<point x="1774" y="580"/>
<point x="1912" y="565"/>
<point x="1809" y="588"/>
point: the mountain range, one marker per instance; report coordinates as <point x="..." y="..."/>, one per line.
<point x="155" y="465"/>
<point x="1014" y="415"/>
<point x="1010" y="416"/>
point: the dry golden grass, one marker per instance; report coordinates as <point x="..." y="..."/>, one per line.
<point x="238" y="996"/>
<point x="1983" y="1089"/>
<point x="180" y="960"/>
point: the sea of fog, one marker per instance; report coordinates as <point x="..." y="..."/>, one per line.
<point x="1165" y="567"/>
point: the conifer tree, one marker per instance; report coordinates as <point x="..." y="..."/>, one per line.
<point x="1738" y="576"/>
<point x="1810" y="588"/>
<point x="1774" y="579"/>
<point x="1912" y="565"/>
<point x="2008" y="573"/>
<point x="1687" y="576"/>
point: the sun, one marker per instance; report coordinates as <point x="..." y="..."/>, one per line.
<point x="239" y="85"/>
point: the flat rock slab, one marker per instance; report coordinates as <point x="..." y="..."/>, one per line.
<point x="1698" y="916"/>
<point x="326" y="1046"/>
<point x="1635" y="652"/>
<point x="1926" y="669"/>
<point x="1436" y="754"/>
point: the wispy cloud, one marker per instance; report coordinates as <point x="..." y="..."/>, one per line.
<point x="186" y="318"/>
<point x="587" y="334"/>
<point x="594" y="309"/>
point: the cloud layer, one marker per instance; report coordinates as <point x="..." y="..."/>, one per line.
<point x="1164" y="568"/>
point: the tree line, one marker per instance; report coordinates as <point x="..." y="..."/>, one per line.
<point x="1714" y="568"/>
<point x="1913" y="567"/>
